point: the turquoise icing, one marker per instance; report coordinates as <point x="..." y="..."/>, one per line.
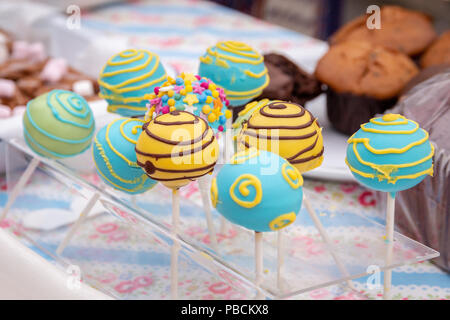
<point x="131" y="84"/>
<point x="390" y="182"/>
<point x="234" y="78"/>
<point x="133" y="179"/>
<point x="72" y="116"/>
<point x="278" y="197"/>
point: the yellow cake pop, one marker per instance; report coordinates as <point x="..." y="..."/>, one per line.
<point x="287" y="129"/>
<point x="176" y="148"/>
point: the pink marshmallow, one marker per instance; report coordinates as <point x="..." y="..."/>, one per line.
<point x="19" y="110"/>
<point x="5" y="111"/>
<point x="20" y="50"/>
<point x="7" y="88"/>
<point x="36" y="52"/>
<point x="54" y="70"/>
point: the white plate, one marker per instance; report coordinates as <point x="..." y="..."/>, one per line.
<point x="335" y="143"/>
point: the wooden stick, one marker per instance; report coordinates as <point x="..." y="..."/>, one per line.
<point x="176" y="245"/>
<point x="326" y="239"/>
<point x="26" y="175"/>
<point x="390" y="218"/>
<point x="280" y="258"/>
<point x="84" y="213"/>
<point x="203" y="185"/>
<point x="259" y="262"/>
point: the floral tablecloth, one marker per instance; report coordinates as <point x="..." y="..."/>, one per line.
<point x="179" y="31"/>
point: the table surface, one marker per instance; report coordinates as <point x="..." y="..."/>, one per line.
<point x="179" y="31"/>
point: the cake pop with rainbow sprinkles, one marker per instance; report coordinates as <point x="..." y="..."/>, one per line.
<point x="237" y="68"/>
<point x="193" y="94"/>
<point x="127" y="80"/>
<point x="115" y="157"/>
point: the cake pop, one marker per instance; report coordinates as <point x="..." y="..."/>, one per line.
<point x="287" y="129"/>
<point x="237" y="68"/>
<point x="58" y="124"/>
<point x="115" y="156"/>
<point x="391" y="154"/>
<point x="176" y="148"/>
<point x="194" y="94"/>
<point x="128" y="79"/>
<point x="291" y="131"/>
<point x="260" y="191"/>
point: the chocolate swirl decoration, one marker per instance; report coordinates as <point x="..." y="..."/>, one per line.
<point x="287" y="129"/>
<point x="176" y="148"/>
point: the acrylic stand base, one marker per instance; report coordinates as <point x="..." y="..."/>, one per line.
<point x="146" y="219"/>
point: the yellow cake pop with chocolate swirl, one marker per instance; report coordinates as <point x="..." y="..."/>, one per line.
<point x="287" y="129"/>
<point x="176" y="148"/>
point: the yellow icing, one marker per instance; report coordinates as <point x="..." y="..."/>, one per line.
<point x="206" y="60"/>
<point x="256" y="75"/>
<point x="392" y="117"/>
<point x="246" y="94"/>
<point x="387" y="169"/>
<point x="243" y="156"/>
<point x="363" y="127"/>
<point x="390" y="179"/>
<point x="291" y="175"/>
<point x="282" y="221"/>
<point x="130" y="163"/>
<point x="366" y="142"/>
<point x="249" y="180"/>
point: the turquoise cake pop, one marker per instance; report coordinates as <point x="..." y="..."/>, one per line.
<point x="390" y="153"/>
<point x="237" y="68"/>
<point x="58" y="124"/>
<point x="115" y="156"/>
<point x="127" y="80"/>
<point x="258" y="190"/>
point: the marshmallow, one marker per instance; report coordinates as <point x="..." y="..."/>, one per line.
<point x="4" y="54"/>
<point x="7" y="88"/>
<point x="54" y="70"/>
<point x="5" y="111"/>
<point x="36" y="52"/>
<point x="19" y="110"/>
<point x="20" y="50"/>
<point x="84" y="88"/>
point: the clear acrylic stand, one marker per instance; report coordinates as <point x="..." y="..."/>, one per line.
<point x="303" y="270"/>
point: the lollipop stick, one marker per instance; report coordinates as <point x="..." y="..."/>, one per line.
<point x="18" y="187"/>
<point x="258" y="262"/>
<point x="175" y="246"/>
<point x="280" y="256"/>
<point x="390" y="217"/>
<point x="76" y="225"/>
<point x="203" y="186"/>
<point x="326" y="239"/>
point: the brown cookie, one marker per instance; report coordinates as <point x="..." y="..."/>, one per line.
<point x="438" y="52"/>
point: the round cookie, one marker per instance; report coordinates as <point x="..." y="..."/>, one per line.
<point x="438" y="53"/>
<point x="176" y="148"/>
<point x="127" y="80"/>
<point x="258" y="190"/>
<point x="237" y="68"/>
<point x="58" y="124"/>
<point x="194" y="94"/>
<point x="390" y="153"/>
<point x="287" y="129"/>
<point x="115" y="157"/>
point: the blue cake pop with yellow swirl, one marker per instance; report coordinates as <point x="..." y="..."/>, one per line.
<point x="390" y="153"/>
<point x="237" y="68"/>
<point x="258" y="190"/>
<point x="115" y="157"/>
<point x="127" y="80"/>
<point x="58" y="124"/>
